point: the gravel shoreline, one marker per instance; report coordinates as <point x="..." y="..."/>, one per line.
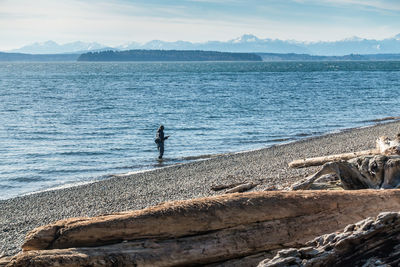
<point x="267" y="167"/>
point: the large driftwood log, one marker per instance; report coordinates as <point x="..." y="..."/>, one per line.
<point x="384" y="146"/>
<point x="201" y="231"/>
<point x="371" y="242"/>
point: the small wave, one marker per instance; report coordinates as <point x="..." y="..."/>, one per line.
<point x="131" y="167"/>
<point x="252" y="142"/>
<point x="207" y="156"/>
<point x="6" y="187"/>
<point x="302" y="134"/>
<point x="213" y="117"/>
<point x="308" y="134"/>
<point x="47" y="133"/>
<point x="103" y="108"/>
<point x="390" y="118"/>
<point x="126" y="149"/>
<point x="39" y="138"/>
<point x="30" y="179"/>
<point x="116" y="128"/>
<point x="280" y="139"/>
<point x="73" y="171"/>
<point x="83" y="153"/>
<point x="197" y="129"/>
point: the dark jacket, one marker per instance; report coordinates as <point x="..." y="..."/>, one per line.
<point x="160" y="136"/>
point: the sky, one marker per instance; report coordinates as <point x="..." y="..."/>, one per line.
<point x="116" y="22"/>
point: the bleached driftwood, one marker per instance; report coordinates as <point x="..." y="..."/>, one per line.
<point x="225" y="186"/>
<point x="365" y="172"/>
<point x="384" y="146"/>
<point x="308" y="162"/>
<point x="241" y="188"/>
<point x="201" y="231"/>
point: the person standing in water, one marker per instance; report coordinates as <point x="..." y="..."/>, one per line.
<point x="160" y="141"/>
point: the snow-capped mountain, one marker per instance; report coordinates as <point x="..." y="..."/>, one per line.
<point x="251" y="43"/>
<point x="245" y="43"/>
<point x="246" y="38"/>
<point x="51" y="47"/>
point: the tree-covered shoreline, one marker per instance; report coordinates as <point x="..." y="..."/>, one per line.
<point x="167" y="55"/>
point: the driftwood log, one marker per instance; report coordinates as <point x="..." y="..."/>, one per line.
<point x="384" y="146"/>
<point x="241" y="188"/>
<point x="359" y="173"/>
<point x="201" y="231"/>
<point x="234" y="188"/>
<point x="371" y="242"/>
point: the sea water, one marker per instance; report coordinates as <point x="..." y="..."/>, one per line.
<point x="69" y="123"/>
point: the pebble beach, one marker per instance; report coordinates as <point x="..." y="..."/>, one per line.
<point x="268" y="168"/>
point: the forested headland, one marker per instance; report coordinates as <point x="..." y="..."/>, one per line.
<point x="167" y="55"/>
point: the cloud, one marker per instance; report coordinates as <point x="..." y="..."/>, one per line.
<point x="120" y="21"/>
<point x="383" y="5"/>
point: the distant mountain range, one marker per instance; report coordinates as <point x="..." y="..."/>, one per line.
<point x="246" y="43"/>
<point x="51" y="47"/>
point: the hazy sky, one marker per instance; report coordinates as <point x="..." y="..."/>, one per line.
<point x="115" y="22"/>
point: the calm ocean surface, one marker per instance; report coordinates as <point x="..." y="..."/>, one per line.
<point x="67" y="123"/>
